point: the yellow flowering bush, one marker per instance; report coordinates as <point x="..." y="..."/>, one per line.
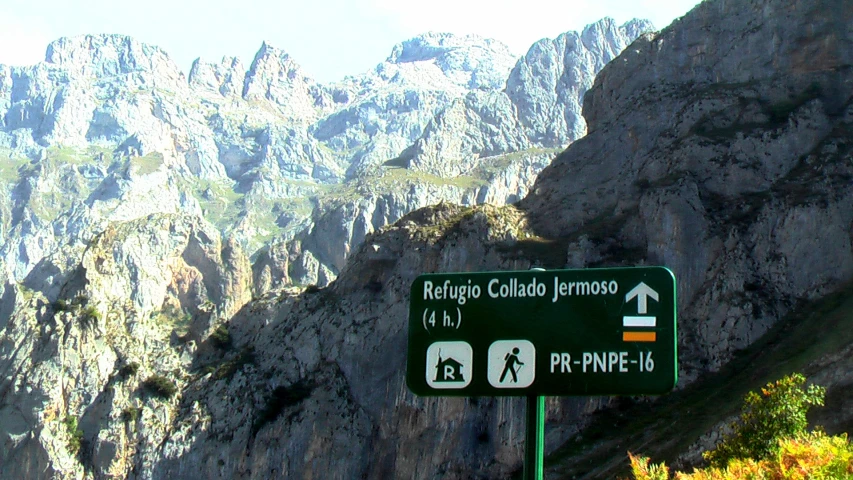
<point x="812" y="456"/>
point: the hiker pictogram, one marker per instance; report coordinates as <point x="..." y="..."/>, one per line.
<point x="511" y="361"/>
<point x="512" y="364"/>
<point x="448" y="364"/>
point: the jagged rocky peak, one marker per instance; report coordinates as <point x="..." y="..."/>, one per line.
<point x="380" y="113"/>
<point x="438" y="46"/>
<point x="93" y="88"/>
<point x="556" y="73"/>
<point x="271" y="60"/>
<point x="423" y="47"/>
<point x="107" y="55"/>
<point x="636" y="26"/>
<point x="472" y="61"/>
<point x="540" y="108"/>
<point x="5" y="91"/>
<point x="225" y="78"/>
<point x="275" y="76"/>
<point x="607" y="39"/>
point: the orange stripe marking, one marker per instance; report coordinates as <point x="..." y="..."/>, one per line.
<point x="639" y="336"/>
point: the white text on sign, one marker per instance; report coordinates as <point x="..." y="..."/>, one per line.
<point x="496" y="288"/>
<point x="445" y="318"/>
<point x="602" y="362"/>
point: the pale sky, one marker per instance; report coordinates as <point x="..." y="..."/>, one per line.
<point x="329" y="38"/>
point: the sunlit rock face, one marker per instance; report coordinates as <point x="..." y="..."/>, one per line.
<point x="548" y="84"/>
<point x="109" y="129"/>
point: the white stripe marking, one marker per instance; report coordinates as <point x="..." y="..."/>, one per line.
<point x="639" y="321"/>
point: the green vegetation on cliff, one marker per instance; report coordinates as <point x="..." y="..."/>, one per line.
<point x="775" y="413"/>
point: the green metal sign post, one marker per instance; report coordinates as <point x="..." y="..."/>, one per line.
<point x="607" y="331"/>
<point x="534" y="434"/>
<point x="534" y="438"/>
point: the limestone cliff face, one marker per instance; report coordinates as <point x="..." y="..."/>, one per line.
<point x="717" y="147"/>
<point x="479" y="134"/>
<point x="82" y="396"/>
<point x="319" y="253"/>
<point x="548" y="94"/>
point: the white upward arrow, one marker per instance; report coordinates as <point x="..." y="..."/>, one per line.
<point x="642" y="292"/>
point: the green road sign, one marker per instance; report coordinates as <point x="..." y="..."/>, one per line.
<point x="607" y="331"/>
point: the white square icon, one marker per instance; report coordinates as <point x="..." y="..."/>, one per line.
<point x="512" y="364"/>
<point x="448" y="364"/>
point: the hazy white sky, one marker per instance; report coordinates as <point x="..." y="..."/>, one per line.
<point x="329" y="38"/>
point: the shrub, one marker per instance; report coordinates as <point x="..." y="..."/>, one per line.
<point x="777" y="411"/>
<point x="160" y="386"/>
<point x="75" y="435"/>
<point x="229" y="368"/>
<point x="130" y="414"/>
<point x="174" y="315"/>
<point x="90" y="315"/>
<point x="80" y="300"/>
<point x="641" y="469"/>
<point x="220" y="337"/>
<point x="129" y="370"/>
<point x="61" y="305"/>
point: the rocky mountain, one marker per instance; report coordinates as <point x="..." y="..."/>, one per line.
<point x="265" y="153"/>
<point x="143" y="343"/>
<point x="144" y="209"/>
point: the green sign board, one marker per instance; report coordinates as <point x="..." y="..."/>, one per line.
<point x="607" y="331"/>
